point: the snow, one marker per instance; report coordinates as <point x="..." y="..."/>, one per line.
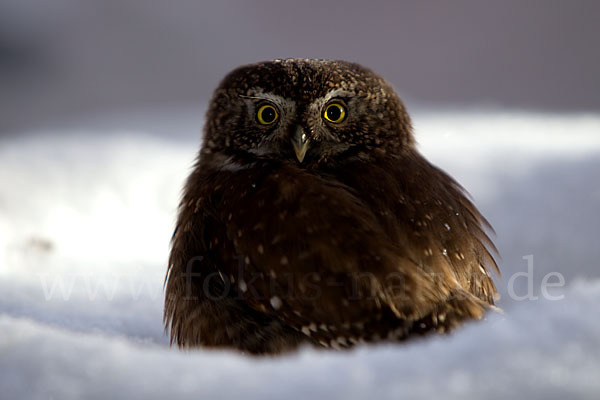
<point x="86" y="217"/>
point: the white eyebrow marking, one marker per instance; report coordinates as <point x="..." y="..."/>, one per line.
<point x="273" y="98"/>
<point x="320" y="102"/>
<point x="250" y="97"/>
<point x="337" y="93"/>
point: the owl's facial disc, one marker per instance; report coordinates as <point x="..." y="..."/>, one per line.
<point x="299" y="127"/>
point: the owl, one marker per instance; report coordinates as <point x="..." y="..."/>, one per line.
<point x="310" y="218"/>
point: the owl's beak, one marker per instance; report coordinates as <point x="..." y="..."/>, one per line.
<point x="300" y="141"/>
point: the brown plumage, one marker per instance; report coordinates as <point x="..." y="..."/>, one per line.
<point x="310" y="217"/>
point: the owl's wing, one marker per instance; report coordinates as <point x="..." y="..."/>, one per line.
<point x="301" y="248"/>
<point x="428" y="214"/>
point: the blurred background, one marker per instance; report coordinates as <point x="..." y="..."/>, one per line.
<point x="67" y="60"/>
<point x="101" y="109"/>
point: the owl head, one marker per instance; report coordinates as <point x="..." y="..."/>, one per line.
<point x="306" y="111"/>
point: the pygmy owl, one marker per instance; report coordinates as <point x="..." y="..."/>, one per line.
<point x="311" y="218"/>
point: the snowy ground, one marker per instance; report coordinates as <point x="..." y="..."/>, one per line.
<point x="85" y="222"/>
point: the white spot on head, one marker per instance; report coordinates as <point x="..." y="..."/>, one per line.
<point x="260" y="249"/>
<point x="243" y="286"/>
<point x="276" y="302"/>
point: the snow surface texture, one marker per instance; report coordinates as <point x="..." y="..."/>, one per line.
<point x="85" y="223"/>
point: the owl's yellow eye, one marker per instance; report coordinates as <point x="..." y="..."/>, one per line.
<point x="335" y="112"/>
<point x="267" y="114"/>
